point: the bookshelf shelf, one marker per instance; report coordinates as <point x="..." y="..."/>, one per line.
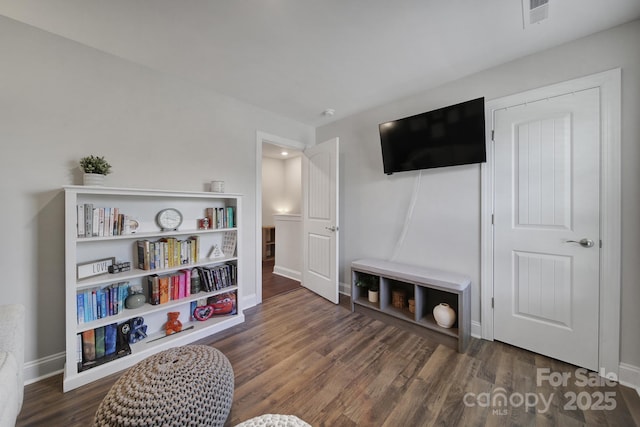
<point x="147" y="309"/>
<point x="158" y="234"/>
<point x="136" y="273"/>
<point x="115" y="242"/>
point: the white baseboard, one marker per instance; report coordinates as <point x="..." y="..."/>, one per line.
<point x="476" y="329"/>
<point x="629" y="375"/>
<point x="248" y="301"/>
<point x="344" y="288"/>
<point x="287" y="272"/>
<point x="45" y="367"/>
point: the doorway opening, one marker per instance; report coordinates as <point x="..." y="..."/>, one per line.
<point x="279" y="200"/>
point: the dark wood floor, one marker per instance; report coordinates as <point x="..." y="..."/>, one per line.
<point x="300" y="354"/>
<point x="273" y="284"/>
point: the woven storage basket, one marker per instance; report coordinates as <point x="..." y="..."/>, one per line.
<point x="398" y="298"/>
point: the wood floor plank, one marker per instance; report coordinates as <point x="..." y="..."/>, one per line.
<point x="300" y="354"/>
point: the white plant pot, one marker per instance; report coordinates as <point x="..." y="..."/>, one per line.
<point x="445" y="315"/>
<point x="373" y="296"/>
<point x="93" y="179"/>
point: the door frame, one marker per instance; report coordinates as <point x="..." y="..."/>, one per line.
<point x="262" y="137"/>
<point x="609" y="84"/>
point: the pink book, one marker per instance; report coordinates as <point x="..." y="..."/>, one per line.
<point x="187" y="282"/>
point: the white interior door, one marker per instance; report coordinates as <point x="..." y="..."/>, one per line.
<point x="320" y="219"/>
<point x="547" y="180"/>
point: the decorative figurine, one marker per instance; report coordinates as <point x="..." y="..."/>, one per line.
<point x="173" y="324"/>
<point x="137" y="330"/>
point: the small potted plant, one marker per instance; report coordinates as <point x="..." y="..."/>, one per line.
<point x="371" y="284"/>
<point x="95" y="169"/>
<point x="373" y="290"/>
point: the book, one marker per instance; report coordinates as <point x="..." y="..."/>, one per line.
<point x="153" y="284"/>
<point x="143" y="254"/>
<point x="80" y="308"/>
<point x="195" y="248"/>
<point x="175" y="287"/>
<point x="79" y="348"/>
<point x="230" y="217"/>
<point x="88" y="218"/>
<point x="88" y="346"/>
<point x="182" y="289"/>
<point x="99" y="336"/>
<point x="187" y="281"/>
<point x="101" y="222"/>
<point x="80" y="223"/>
<point x="164" y="289"/>
<point x="94" y="305"/>
<point x="110" y="338"/>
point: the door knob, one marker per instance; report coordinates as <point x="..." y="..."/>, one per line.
<point x="332" y="228"/>
<point x="585" y="243"/>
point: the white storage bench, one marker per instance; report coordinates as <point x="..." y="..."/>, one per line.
<point x="427" y="288"/>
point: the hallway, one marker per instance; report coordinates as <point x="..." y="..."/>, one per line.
<point x="273" y="284"/>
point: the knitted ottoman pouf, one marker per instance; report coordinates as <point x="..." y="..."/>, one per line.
<point x="274" y="420"/>
<point x="182" y="386"/>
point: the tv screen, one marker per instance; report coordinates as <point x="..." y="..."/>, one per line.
<point x="453" y="135"/>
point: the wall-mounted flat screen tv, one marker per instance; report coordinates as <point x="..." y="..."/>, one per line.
<point x="453" y="135"/>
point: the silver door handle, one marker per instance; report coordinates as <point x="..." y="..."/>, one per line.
<point x="585" y="243"/>
<point x="332" y="228"/>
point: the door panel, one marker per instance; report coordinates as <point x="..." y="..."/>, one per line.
<point x="320" y="219"/>
<point x="546" y="288"/>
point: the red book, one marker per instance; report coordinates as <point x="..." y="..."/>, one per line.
<point x="175" y="287"/>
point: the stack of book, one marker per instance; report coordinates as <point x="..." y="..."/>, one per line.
<point x="218" y="277"/>
<point x="221" y="217"/>
<point x="163" y="289"/>
<point x="101" y="222"/>
<point x="97" y="303"/>
<point x="101" y="345"/>
<point x="167" y="252"/>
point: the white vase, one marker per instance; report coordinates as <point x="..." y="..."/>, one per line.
<point x="373" y="296"/>
<point x="445" y="316"/>
<point x="93" y="179"/>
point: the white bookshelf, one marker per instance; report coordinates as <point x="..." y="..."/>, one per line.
<point x="143" y="205"/>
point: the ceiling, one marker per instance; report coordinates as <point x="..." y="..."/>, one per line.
<point x="300" y="57"/>
<point x="275" y="152"/>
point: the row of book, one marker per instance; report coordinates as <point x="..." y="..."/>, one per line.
<point x="221" y="217"/>
<point x="101" y="222"/>
<point x="97" y="303"/>
<point x="100" y="345"/>
<point x="218" y="277"/>
<point x="162" y="289"/>
<point x="167" y="252"/>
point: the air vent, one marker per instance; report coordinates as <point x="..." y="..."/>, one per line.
<point x="534" y="11"/>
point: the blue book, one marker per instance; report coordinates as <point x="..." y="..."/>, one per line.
<point x="80" y="307"/>
<point x="103" y="303"/>
<point x="110" y="338"/>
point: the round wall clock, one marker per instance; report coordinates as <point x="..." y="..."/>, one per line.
<point x="169" y="219"/>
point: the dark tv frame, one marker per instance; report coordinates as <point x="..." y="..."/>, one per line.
<point x="448" y="136"/>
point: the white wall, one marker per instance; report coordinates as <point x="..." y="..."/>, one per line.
<point x="281" y="187"/>
<point x="60" y="101"/>
<point x="445" y="230"/>
<point x="293" y="184"/>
